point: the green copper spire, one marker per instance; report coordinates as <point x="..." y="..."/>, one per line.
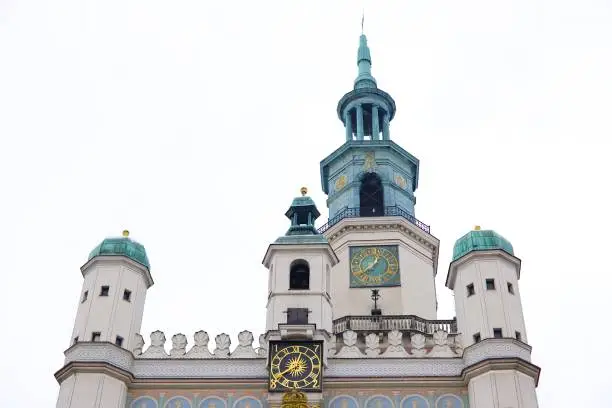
<point x="364" y="62"/>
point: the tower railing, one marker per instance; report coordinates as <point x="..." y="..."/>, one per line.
<point x="391" y="211"/>
<point x="388" y="323"/>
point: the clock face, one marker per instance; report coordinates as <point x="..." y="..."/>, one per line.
<point x="374" y="266"/>
<point x="295" y="365"/>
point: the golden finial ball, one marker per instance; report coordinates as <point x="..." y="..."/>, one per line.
<point x="304" y="191"/>
<point x="125" y="233"/>
<point x="477" y="228"/>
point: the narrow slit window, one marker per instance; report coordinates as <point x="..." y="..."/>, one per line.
<point x="84" y="298"/>
<point x="127" y="295"/>
<point x="517" y="334"/>
<point x="104" y="290"/>
<point x="470" y="289"/>
<point x="119" y="341"/>
<point x="476" y="338"/>
<point x="490" y="284"/>
<point x="95" y="336"/>
<point x="510" y="288"/>
<point x="497" y="333"/>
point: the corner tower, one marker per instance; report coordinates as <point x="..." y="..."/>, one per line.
<point x="370" y="182"/>
<point x="484" y="275"/>
<point x="116" y="278"/>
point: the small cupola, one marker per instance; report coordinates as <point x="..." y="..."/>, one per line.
<point x="302" y="213"/>
<point x="480" y="240"/>
<point x="122" y="246"/>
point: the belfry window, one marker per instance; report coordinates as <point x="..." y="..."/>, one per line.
<point x="371" y="196"/>
<point x="299" y="275"/>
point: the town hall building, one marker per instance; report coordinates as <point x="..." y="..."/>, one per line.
<point x="351" y="313"/>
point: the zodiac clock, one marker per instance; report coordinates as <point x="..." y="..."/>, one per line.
<point x="374" y="266"/>
<point x="295" y="365"/>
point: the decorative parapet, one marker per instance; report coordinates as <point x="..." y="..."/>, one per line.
<point x="396" y="344"/>
<point x="373" y="343"/>
<point x="505" y="353"/>
<point x="200" y="349"/>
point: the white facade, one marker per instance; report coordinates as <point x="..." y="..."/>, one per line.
<point x="503" y="388"/>
<point x="418" y="259"/>
<point x="111" y="308"/>
<point x="487" y="296"/>
<point x="109" y="313"/>
<point x="320" y="259"/>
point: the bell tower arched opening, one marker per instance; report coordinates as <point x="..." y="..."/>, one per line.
<point x="371" y="203"/>
<point x="299" y="275"/>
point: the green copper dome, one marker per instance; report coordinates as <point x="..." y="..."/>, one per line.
<point x="123" y="246"/>
<point x="480" y="240"/>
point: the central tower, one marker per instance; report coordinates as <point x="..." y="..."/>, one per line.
<point x="370" y="182"/>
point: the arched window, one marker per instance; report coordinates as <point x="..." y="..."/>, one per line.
<point x="299" y="275"/>
<point x="371" y="196"/>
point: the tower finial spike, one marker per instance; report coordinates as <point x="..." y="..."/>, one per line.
<point x="304" y="191"/>
<point x="362" y="19"/>
<point x="125" y="233"/>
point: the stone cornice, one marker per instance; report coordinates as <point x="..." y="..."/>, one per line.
<point x="502" y="364"/>
<point x="118" y="260"/>
<point x="296" y="248"/>
<point x="487" y="355"/>
<point x="388" y="223"/>
<point x="492" y="254"/>
<point x="93" y="367"/>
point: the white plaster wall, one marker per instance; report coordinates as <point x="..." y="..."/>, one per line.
<point x="315" y="302"/>
<point x="111" y="315"/>
<point x="488" y="309"/>
<point x="415" y="296"/>
<point x="91" y="390"/>
<point x="502" y="389"/>
<point x="315" y="298"/>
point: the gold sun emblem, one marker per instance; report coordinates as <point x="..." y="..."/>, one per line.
<point x="297" y="366"/>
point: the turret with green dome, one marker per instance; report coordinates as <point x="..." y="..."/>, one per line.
<point x="122" y="246"/>
<point x="480" y="240"/>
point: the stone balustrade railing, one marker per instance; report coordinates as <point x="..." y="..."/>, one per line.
<point x="387" y="323"/>
<point x="350" y="344"/>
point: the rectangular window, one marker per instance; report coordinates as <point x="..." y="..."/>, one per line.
<point x="95" y="336"/>
<point x="297" y="315"/>
<point x="76" y="340"/>
<point x="84" y="298"/>
<point x="510" y="288"/>
<point x="104" y="290"/>
<point x="119" y="341"/>
<point x="127" y="295"/>
<point x="490" y="284"/>
<point x="497" y="333"/>
<point x="476" y="337"/>
<point x="470" y="289"/>
<point x="517" y="334"/>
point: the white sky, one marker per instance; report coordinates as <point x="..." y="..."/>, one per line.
<point x="194" y="123"/>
